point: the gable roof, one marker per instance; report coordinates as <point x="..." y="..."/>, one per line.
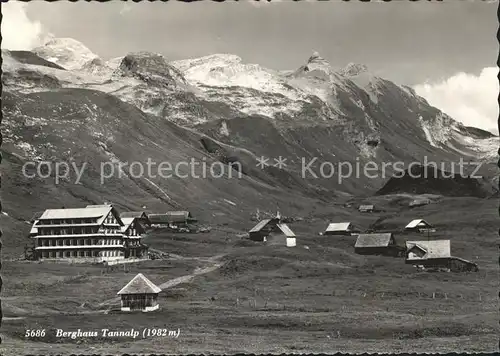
<point x="133" y="214"/>
<point x="140" y="285"/>
<point x="126" y="223"/>
<point x="260" y="225"/>
<point x="344" y="226"/>
<point x="433" y="249"/>
<point x="417" y="223"/>
<point x="91" y="212"/>
<point x="285" y="229"/>
<point x="373" y="240"/>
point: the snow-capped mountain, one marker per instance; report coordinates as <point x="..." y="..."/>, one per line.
<point x="61" y="101"/>
<point x="67" y="52"/>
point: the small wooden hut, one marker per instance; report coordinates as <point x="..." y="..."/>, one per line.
<point x="139" y="294"/>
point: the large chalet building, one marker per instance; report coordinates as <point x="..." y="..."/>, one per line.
<point x="95" y="233"/>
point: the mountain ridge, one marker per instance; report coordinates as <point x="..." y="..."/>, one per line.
<point x="218" y="109"/>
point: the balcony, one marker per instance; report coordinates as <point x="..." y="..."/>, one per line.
<point x="73" y="247"/>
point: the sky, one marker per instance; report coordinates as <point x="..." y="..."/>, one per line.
<point x="446" y="50"/>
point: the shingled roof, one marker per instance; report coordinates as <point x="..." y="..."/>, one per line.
<point x="431" y="249"/>
<point x="140" y="285"/>
<point x="373" y="240"/>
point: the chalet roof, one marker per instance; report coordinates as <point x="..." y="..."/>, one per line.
<point x="140" y="285"/>
<point x="88" y="212"/>
<point x="344" y="226"/>
<point x="373" y="240"/>
<point x="126" y="223"/>
<point x="417" y="223"/>
<point x="33" y="230"/>
<point x="91" y="211"/>
<point x="432" y="249"/>
<point x="260" y="225"/>
<point x="285" y="229"/>
<point x="133" y="214"/>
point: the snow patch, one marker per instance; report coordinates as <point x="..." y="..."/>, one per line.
<point x="230" y="202"/>
<point x="224" y="131"/>
<point x="67" y="52"/>
<point x="438" y="131"/>
<point x="157" y="187"/>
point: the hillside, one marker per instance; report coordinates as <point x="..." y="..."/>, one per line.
<point x="110" y="125"/>
<point x="61" y="103"/>
<point x="431" y="180"/>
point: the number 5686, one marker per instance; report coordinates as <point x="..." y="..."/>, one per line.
<point x="35" y="333"/>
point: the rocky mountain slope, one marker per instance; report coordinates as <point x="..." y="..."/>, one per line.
<point x="61" y="102"/>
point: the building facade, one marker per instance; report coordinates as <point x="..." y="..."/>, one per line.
<point x="133" y="230"/>
<point x="93" y="233"/>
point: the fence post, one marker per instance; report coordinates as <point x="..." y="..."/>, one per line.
<point x="433" y="295"/>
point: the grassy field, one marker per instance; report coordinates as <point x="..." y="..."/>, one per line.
<point x="316" y="297"/>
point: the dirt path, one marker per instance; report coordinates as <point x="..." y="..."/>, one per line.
<point x="213" y="264"/>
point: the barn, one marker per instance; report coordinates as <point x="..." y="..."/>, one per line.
<point x="344" y="228"/>
<point x="171" y="219"/>
<point x="139" y="294"/>
<point x="377" y="244"/>
<point x="273" y="231"/>
<point x="366" y="208"/>
<point x="436" y="254"/>
<point x="418" y="225"/>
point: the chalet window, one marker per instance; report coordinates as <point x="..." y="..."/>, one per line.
<point x="60" y="254"/>
<point x="67" y="254"/>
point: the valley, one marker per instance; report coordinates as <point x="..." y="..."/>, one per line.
<point x="61" y="103"/>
